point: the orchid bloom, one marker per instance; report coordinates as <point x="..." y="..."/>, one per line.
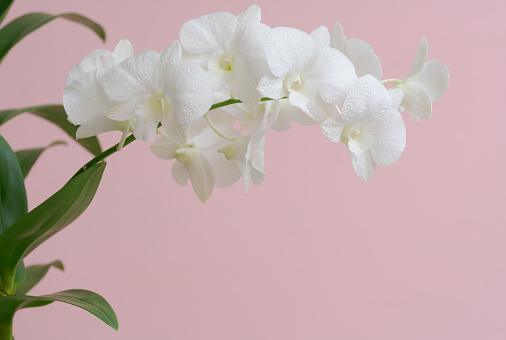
<point x="369" y="125"/>
<point x="358" y="51"/>
<point x="153" y="88"/>
<point x="230" y="48"/>
<point x="197" y="158"/>
<point x="426" y="82"/>
<point x="84" y="98"/>
<point x="314" y="76"/>
<point x="247" y="153"/>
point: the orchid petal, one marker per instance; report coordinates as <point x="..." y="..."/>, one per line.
<point x="123" y="50"/>
<point x="321" y="39"/>
<point x="200" y="170"/>
<point x="363" y="164"/>
<point x="416" y="100"/>
<point x="272" y="87"/>
<point x="164" y="148"/>
<point x="396" y="96"/>
<point x="190" y="89"/>
<point x="434" y="78"/>
<point x="84" y="99"/>
<point x="338" y="40"/>
<point x="288" y="50"/>
<point x="389" y="138"/>
<point x="332" y="128"/>
<point x="421" y="57"/>
<point x="250" y="15"/>
<point x="180" y="174"/>
<point x="88" y="64"/>
<point x="363" y="58"/>
<point x="361" y="143"/>
<point x="335" y="74"/>
<point x="367" y="100"/>
<point x="99" y="124"/>
<point x="208" y="33"/>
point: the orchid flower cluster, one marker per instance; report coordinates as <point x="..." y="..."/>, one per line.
<point x="212" y="96"/>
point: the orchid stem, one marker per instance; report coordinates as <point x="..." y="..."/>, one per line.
<point x="391" y="80"/>
<point x="104" y="155"/>
<point x="215" y="129"/>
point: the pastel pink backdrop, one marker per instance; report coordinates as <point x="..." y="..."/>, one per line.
<point x="416" y="253"/>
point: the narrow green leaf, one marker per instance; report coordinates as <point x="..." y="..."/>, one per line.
<point x="20" y="27"/>
<point x="5" y="5"/>
<point x="34" y="274"/>
<point x="55" y="114"/>
<point x="89" y="301"/>
<point x="27" y="158"/>
<point x="44" y="221"/>
<point x="19" y="275"/>
<point x="13" y="204"/>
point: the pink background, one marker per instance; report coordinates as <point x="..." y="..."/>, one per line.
<point x="416" y="253"/>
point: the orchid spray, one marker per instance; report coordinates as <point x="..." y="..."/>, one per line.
<point x="207" y="103"/>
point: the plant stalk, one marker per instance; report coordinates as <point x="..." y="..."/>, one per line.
<point x="6" y="331"/>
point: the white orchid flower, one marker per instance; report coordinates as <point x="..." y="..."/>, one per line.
<point x="198" y="159"/>
<point x="230" y="48"/>
<point x="247" y="153"/>
<point x="304" y="68"/>
<point x="251" y="115"/>
<point x="369" y="125"/>
<point x="358" y="51"/>
<point x="153" y="88"/>
<point x="84" y="98"/>
<point x="426" y="82"/>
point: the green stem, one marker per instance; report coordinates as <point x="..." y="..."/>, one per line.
<point x="6" y="331"/>
<point x="391" y="80"/>
<point x="103" y="156"/>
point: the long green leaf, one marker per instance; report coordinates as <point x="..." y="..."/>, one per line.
<point x="13" y="204"/>
<point x="44" y="221"/>
<point x="20" y="27"/>
<point x="5" y="5"/>
<point x="89" y="301"/>
<point x="27" y="158"/>
<point x="34" y="274"/>
<point x="55" y="114"/>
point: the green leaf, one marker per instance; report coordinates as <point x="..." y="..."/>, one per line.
<point x="55" y="114"/>
<point x="89" y="301"/>
<point x="13" y="204"/>
<point x="27" y="158"/>
<point x="20" y="27"/>
<point x="5" y="5"/>
<point x="44" y="221"/>
<point x="34" y="274"/>
<point x="19" y="275"/>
